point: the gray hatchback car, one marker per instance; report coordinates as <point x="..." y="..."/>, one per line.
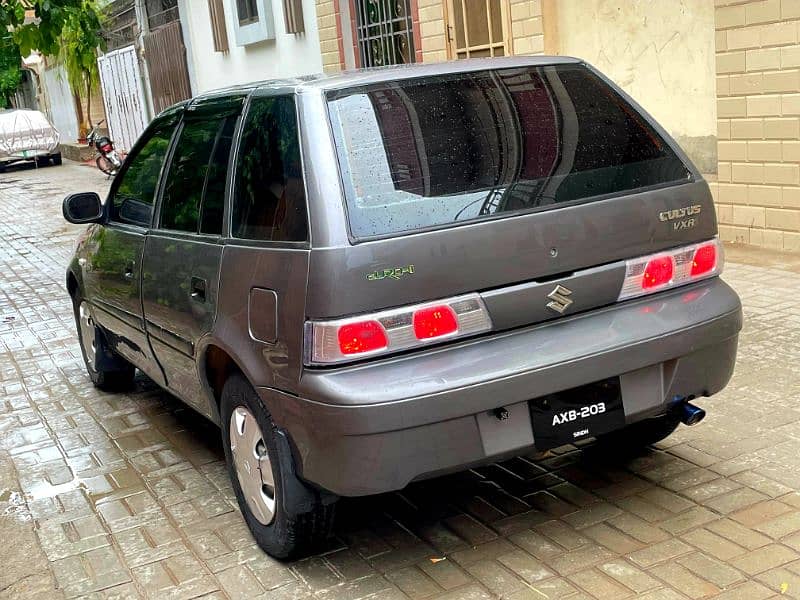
<point x="376" y="277"/>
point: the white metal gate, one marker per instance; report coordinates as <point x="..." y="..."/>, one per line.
<point x="123" y="96"/>
<point x="60" y="103"/>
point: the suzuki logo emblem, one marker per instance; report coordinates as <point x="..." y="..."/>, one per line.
<point x="560" y="299"/>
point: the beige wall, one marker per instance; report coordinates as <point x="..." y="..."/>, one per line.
<point x="329" y="34"/>
<point x="659" y="51"/>
<point x="758" y="83"/>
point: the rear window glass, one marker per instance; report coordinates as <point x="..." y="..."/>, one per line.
<point x="439" y="150"/>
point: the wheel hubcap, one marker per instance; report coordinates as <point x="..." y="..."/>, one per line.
<point x="88" y="337"/>
<point x="253" y="467"/>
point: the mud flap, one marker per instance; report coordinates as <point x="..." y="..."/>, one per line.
<point x="297" y="497"/>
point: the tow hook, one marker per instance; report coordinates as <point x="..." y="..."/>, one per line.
<point x="689" y="414"/>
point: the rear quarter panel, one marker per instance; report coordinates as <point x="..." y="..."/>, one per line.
<point x="280" y="270"/>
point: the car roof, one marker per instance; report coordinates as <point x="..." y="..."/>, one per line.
<point x="359" y="77"/>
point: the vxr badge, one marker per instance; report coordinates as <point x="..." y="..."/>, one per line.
<point x="560" y="299"/>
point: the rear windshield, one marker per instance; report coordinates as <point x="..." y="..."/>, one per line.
<point x="434" y="151"/>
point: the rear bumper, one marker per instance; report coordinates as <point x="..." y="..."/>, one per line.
<point x="375" y="427"/>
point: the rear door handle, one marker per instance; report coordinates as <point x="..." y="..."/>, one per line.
<point x="198" y="289"/>
<point x="129" y="269"/>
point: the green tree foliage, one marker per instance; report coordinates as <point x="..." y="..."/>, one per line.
<point x="67" y="29"/>
<point x="10" y="70"/>
<point x="78" y="43"/>
<point x="44" y="31"/>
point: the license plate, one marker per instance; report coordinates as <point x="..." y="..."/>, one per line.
<point x="577" y="414"/>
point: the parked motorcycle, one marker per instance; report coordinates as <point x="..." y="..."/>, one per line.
<point x="108" y="160"/>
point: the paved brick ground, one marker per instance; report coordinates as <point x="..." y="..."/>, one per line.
<point x="127" y="496"/>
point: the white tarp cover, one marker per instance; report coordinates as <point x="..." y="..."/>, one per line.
<point x="25" y="133"/>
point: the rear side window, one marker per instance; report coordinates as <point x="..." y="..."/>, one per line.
<point x="136" y="190"/>
<point x="270" y="199"/>
<point x="195" y="182"/>
<point x="438" y="150"/>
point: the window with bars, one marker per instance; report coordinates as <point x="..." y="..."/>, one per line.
<point x="384" y="32"/>
<point x="247" y="11"/>
<point x="478" y="28"/>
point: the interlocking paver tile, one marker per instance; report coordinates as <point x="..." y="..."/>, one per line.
<point x="660" y="552"/>
<point x="684" y="581"/>
<point x="149" y="543"/>
<point x="181" y="576"/>
<point x="91" y="571"/>
<point x="599" y="585"/>
<point x="764" y="558"/>
<point x="717" y="572"/>
<point x="713" y="544"/>
<point x="127" y="495"/>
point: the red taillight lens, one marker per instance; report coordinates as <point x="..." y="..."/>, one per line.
<point x="366" y="336"/>
<point x="705" y="259"/>
<point x="671" y="268"/>
<point x="106" y="148"/>
<point x="435" y="321"/>
<point x="658" y="272"/>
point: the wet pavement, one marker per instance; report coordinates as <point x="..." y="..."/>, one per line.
<point x="126" y="495"/>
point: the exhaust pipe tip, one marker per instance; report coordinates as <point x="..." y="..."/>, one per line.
<point x="690" y="414"/>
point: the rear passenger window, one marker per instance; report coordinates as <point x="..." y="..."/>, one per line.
<point x="270" y="199"/>
<point x="194" y="192"/>
<point x="136" y="190"/>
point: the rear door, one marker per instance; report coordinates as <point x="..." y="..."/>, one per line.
<point x="184" y="249"/>
<point x="113" y="273"/>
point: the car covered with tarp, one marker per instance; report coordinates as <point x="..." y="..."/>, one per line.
<point x="27" y="135"/>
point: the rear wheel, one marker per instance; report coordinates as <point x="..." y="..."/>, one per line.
<point x="286" y="517"/>
<point x="56" y="158"/>
<point x="105" y="165"/>
<point x="106" y="369"/>
<point x="639" y="435"/>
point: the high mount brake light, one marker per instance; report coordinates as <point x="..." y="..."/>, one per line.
<point x="672" y="268"/>
<point x="341" y="340"/>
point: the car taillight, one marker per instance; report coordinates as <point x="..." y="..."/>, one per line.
<point x="433" y="322"/>
<point x="658" y="272"/>
<point x="672" y="268"/>
<point x="705" y="259"/>
<point x="341" y="340"/>
<point x="362" y="337"/>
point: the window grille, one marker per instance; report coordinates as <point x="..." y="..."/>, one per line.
<point x="384" y="32"/>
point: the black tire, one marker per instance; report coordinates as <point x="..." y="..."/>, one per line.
<point x="56" y="158"/>
<point x="635" y="437"/>
<point x="303" y="517"/>
<point x="107" y="370"/>
<point x="42" y="161"/>
<point x="105" y="165"/>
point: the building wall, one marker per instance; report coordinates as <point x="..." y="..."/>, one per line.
<point x="329" y="23"/>
<point x="661" y="53"/>
<point x="288" y="55"/>
<point x="758" y="86"/>
<point x="527" y="29"/>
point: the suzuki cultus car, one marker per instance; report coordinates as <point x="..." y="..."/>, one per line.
<point x="376" y="277"/>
